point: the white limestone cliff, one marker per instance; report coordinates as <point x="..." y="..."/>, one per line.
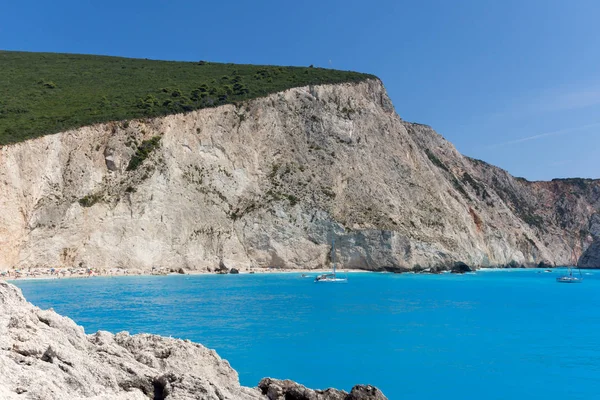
<point x="269" y="183"/>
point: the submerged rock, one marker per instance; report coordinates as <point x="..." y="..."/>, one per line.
<point x="46" y="356"/>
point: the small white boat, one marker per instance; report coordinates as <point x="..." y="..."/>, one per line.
<point x="570" y="278"/>
<point x="331" y="277"/>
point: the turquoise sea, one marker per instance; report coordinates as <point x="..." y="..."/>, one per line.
<point x="503" y="334"/>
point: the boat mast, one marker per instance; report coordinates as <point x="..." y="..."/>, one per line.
<point x="576" y="260"/>
<point x="333" y="254"/>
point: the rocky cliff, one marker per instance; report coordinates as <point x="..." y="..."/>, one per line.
<point x="270" y="182"/>
<point x="591" y="257"/>
<point x="44" y="356"/>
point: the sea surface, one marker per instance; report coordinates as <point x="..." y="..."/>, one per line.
<point x="499" y="334"/>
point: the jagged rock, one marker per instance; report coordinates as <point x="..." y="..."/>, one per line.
<point x="594" y="228"/>
<point x="49" y="355"/>
<point x="591" y="257"/>
<point x="365" y="392"/>
<point x="270" y="183"/>
<point x="275" y="389"/>
<point x="222" y="268"/>
<point x="109" y="160"/>
<point x="46" y="356"/>
<point x="57" y="360"/>
<point x="234" y="271"/>
<point x="181" y="271"/>
<point x="460" y="268"/>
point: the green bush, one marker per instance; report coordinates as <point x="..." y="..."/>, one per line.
<point x="89" y="200"/>
<point x="142" y="152"/>
<point x="436" y="161"/>
<point x="97" y="89"/>
<point x="48" y="85"/>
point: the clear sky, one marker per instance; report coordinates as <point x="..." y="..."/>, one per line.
<point x="514" y="83"/>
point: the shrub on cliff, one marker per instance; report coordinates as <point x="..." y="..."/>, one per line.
<point x="142" y="152"/>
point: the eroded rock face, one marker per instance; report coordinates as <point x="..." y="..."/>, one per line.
<point x="269" y="183"/>
<point x="460" y="268"/>
<point x="591" y="257"/>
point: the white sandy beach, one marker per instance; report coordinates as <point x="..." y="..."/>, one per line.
<point x="61" y="273"/>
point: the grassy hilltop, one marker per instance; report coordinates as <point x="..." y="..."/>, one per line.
<point x="43" y="93"/>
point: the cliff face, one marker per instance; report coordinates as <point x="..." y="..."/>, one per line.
<point x="270" y="183"/>
<point x="591" y="257"/>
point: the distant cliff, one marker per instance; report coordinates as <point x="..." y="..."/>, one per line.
<point x="269" y="182"/>
<point x="591" y="256"/>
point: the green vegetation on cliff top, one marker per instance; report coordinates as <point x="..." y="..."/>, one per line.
<point x="43" y="93"/>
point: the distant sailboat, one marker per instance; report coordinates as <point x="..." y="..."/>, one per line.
<point x="570" y="278"/>
<point x="331" y="277"/>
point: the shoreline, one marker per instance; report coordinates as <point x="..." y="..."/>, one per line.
<point x="80" y="273"/>
<point x="33" y="274"/>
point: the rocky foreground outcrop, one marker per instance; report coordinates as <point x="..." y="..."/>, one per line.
<point x="45" y="356"/>
<point x="269" y="183"/>
<point x="276" y="389"/>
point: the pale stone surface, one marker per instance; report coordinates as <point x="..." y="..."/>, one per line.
<point x="269" y="183"/>
<point x="46" y="356"/>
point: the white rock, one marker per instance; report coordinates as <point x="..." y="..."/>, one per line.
<point x="46" y="356"/>
<point x="269" y="183"/>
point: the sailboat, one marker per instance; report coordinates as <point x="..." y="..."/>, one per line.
<point x="331" y="277"/>
<point x="570" y="278"/>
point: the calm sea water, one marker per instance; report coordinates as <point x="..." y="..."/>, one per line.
<point x="512" y="334"/>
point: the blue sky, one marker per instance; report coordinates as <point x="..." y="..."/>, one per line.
<point x="514" y="83"/>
